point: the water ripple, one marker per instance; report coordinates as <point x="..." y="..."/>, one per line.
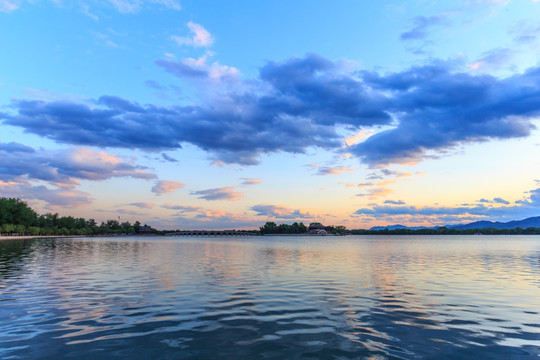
<point x="343" y="298"/>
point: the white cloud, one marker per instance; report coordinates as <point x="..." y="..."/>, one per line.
<point x="200" y="38"/>
<point x="200" y="69"/>
<point x="225" y="193"/>
<point x="9" y="5"/>
<point x="166" y="186"/>
<point x="54" y="198"/>
<point x="133" y="6"/>
<point x="126" y="6"/>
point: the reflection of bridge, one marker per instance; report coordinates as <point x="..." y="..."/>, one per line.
<point x="213" y="233"/>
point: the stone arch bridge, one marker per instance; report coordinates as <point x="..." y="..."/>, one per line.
<point x="213" y="233"/>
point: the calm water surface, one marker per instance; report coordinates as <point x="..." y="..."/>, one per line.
<point x="354" y="297"/>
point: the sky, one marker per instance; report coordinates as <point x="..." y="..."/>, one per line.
<point x="189" y="114"/>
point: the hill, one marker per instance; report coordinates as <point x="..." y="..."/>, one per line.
<point x="525" y="223"/>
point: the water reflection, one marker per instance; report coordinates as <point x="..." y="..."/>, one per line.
<point x="351" y="297"/>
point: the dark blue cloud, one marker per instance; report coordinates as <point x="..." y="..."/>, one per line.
<point x="233" y="137"/>
<point x="64" y="167"/>
<point x="394" y="202"/>
<point x="297" y="104"/>
<point x="311" y="87"/>
<point x="181" y="69"/>
<point x="225" y="193"/>
<point x="499" y="200"/>
<point x="14" y="147"/>
<point x="168" y="158"/>
<point x="437" y="109"/>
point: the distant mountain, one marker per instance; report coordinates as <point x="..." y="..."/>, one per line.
<point x="397" y="227"/>
<point x="529" y="222"/>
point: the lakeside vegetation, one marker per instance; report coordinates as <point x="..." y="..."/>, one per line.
<point x="295" y="228"/>
<point x="17" y="218"/>
<point x="299" y="228"/>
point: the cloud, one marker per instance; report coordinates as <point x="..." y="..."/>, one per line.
<point x="85" y="9"/>
<point x="300" y="103"/>
<point x="383" y="173"/>
<point x="9" y="5"/>
<point x="134" y="6"/>
<point x="525" y="33"/>
<point x="421" y="25"/>
<point x="225" y="193"/>
<point x="185" y="68"/>
<point x="376" y="192"/>
<point x="364" y="184"/>
<point x="127" y="212"/>
<point x="126" y="6"/>
<point x="336" y="170"/>
<point x="168" y="158"/>
<point x="439" y="109"/>
<point x="280" y="212"/>
<point x="496" y="200"/>
<point x="493" y="59"/>
<point x="200" y="36"/>
<point x="64" y="167"/>
<point x="213" y="219"/>
<point x="194" y="217"/>
<point x="142" y="205"/>
<point x="14" y="147"/>
<point x="251" y="181"/>
<point x="170" y="4"/>
<point x="212" y="214"/>
<point x="155" y="85"/>
<point x="54" y="198"/>
<point x="182" y="208"/>
<point x="200" y="69"/>
<point x="394" y="202"/>
<point x="528" y="207"/>
<point x="122" y="6"/>
<point x="166" y="186"/>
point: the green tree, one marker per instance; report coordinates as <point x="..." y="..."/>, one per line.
<point x="48" y="220"/>
<point x="269" y="228"/>
<point x="67" y="222"/>
<point x="8" y="228"/>
<point x="17" y="212"/>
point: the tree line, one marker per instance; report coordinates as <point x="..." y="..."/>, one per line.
<point x="17" y="218"/>
<point x="298" y="228"/>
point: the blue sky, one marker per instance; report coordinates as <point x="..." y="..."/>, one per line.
<point x="200" y="114"/>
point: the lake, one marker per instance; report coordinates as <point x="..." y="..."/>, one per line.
<point x="294" y="297"/>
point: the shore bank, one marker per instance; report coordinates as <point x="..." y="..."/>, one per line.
<point x="37" y="237"/>
<point x="14" y="237"/>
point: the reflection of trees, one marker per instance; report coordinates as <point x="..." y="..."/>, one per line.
<point x="13" y="256"/>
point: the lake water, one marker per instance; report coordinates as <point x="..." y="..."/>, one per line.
<point x="353" y="297"/>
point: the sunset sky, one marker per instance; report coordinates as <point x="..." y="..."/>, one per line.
<point x="191" y="114"/>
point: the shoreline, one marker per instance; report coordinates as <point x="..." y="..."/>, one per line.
<point x="25" y="237"/>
